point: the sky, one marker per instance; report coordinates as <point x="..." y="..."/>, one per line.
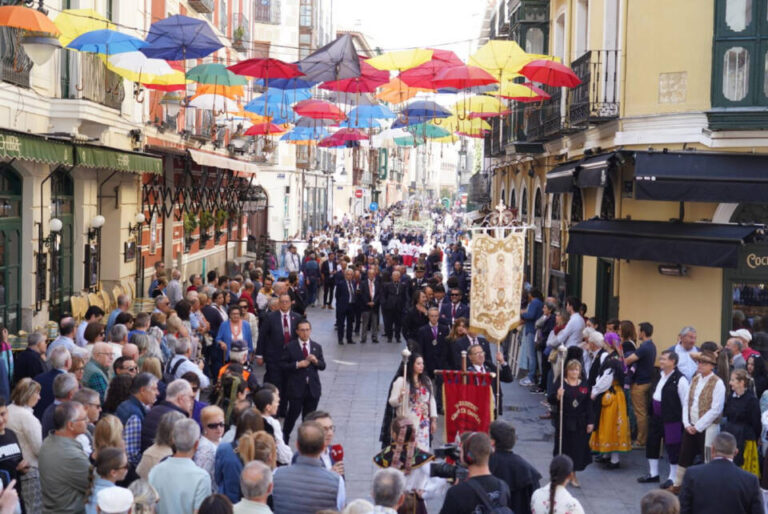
<point x="398" y="24"/>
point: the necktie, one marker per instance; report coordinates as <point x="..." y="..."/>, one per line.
<point x="434" y="332"/>
<point x="453" y="314"/>
<point x="351" y="293"/>
<point x="286" y="329"/>
<point x="304" y="350"/>
<point x="370" y="287"/>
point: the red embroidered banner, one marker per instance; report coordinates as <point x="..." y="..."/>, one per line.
<point x="468" y="406"/>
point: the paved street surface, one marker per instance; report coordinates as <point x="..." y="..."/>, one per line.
<point x="355" y="385"/>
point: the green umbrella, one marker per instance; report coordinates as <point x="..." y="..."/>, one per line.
<point x="428" y="130"/>
<point x="408" y="141"/>
<point x="216" y="74"/>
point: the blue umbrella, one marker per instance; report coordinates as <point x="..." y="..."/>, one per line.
<point x="403" y="121"/>
<point x="378" y="112"/>
<point x="295" y="83"/>
<point x="279" y="112"/>
<point x="285" y="96"/>
<point x="305" y="134"/>
<point x="107" y="42"/>
<point x="425" y="109"/>
<point x="180" y="37"/>
<point x="360" y="123"/>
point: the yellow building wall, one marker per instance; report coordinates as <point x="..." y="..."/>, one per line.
<point x="670" y="303"/>
<point x="588" y="283"/>
<point x="668" y="66"/>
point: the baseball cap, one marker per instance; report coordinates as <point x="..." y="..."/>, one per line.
<point x="115" y="500"/>
<point x="741" y="333"/>
<point x="238" y="346"/>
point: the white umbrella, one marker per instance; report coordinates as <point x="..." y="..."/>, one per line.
<point x="214" y="103"/>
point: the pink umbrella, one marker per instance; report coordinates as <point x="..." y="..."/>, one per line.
<point x="319" y="110"/>
<point x="462" y="77"/>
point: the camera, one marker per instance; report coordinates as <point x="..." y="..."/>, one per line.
<point x="449" y="467"/>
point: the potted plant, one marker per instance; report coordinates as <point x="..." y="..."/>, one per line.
<point x="190" y="224"/>
<point x="237" y="36"/>
<point x="206" y="222"/>
<point x="221" y="219"/>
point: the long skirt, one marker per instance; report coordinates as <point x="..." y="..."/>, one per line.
<point x="612" y="434"/>
<point x="751" y="458"/>
<point x="31" y="494"/>
<point x="575" y="445"/>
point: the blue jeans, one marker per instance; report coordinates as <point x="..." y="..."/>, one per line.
<point x="528" y="354"/>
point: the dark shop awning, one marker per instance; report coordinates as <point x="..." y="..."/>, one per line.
<point x="561" y="179"/>
<point x="593" y="171"/>
<point x="695" y="244"/>
<point x="701" y="177"/>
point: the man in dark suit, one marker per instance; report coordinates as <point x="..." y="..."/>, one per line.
<point x="419" y="280"/>
<point x="393" y="300"/>
<point x="463" y="343"/>
<point x="436" y="350"/>
<point x="370" y="299"/>
<point x="478" y="363"/>
<point x="451" y="311"/>
<point x="60" y="362"/>
<point x="720" y="486"/>
<point x="302" y="359"/>
<point x="297" y="295"/>
<point x="29" y="363"/>
<point x="275" y="333"/>
<point x="328" y="276"/>
<point x="521" y="477"/>
<point x="346" y="300"/>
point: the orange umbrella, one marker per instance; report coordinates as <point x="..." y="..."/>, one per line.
<point x="24" y="18"/>
<point x="396" y="91"/>
<point x="232" y="92"/>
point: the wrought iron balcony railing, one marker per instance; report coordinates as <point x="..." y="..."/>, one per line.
<point x="596" y="99"/>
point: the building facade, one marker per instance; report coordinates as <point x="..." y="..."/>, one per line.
<point x="644" y="184"/>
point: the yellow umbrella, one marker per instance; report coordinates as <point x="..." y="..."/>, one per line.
<point x="479" y="104"/>
<point x="137" y="67"/>
<point x="501" y="57"/>
<point x="468" y="126"/>
<point x="514" y="90"/>
<point x="75" y="22"/>
<point x="396" y="91"/>
<point x="445" y="139"/>
<point x="400" y="60"/>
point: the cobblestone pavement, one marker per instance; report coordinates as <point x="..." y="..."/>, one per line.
<point x="355" y="385"/>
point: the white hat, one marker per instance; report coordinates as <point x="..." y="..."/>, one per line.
<point x="742" y="333"/>
<point x="115" y="500"/>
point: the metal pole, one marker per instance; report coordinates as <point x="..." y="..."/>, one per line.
<point x="404" y="406"/>
<point x="561" y="350"/>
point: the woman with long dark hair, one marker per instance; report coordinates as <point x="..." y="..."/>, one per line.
<point x="742" y="415"/>
<point x="554" y="498"/>
<point x="413" y="397"/>
<point x="756" y="369"/>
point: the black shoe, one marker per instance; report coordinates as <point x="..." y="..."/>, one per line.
<point x="375" y="341"/>
<point x="666" y="485"/>
<point x="350" y="342"/>
<point x="389" y="339"/>
<point x="647" y="479"/>
<point x="602" y="459"/>
<point x="341" y="342"/>
<point x="399" y="341"/>
<point x="611" y="465"/>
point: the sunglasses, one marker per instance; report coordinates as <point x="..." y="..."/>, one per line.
<point x="214" y="426"/>
<point x="132" y="368"/>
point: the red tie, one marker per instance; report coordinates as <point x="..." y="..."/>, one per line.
<point x="286" y="330"/>
<point x="304" y="350"/>
<point x="454" y="311"/>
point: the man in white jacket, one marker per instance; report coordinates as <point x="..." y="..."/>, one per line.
<point x="267" y="401"/>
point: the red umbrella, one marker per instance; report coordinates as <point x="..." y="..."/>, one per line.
<point x="341" y="137"/>
<point x="550" y="73"/>
<point x="423" y="75"/>
<point x="541" y="95"/>
<point x="264" y="129"/>
<point x="461" y="77"/>
<point x="319" y="110"/>
<point x="266" y="68"/>
<point x="446" y="56"/>
<point x="369" y="80"/>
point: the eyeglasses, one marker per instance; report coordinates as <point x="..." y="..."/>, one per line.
<point x="214" y="426"/>
<point x="456" y="295"/>
<point x="331" y="428"/>
<point x="481" y="352"/>
<point x="132" y="368"/>
<point x="80" y="420"/>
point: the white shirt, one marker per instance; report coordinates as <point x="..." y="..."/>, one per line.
<point x="702" y="422"/>
<point x="80" y="334"/>
<point x="685" y="362"/>
<point x="682" y="388"/>
<point x="284" y="452"/>
<point x="187" y="366"/>
<point x="292" y="262"/>
<point x="564" y="502"/>
<point x="572" y="333"/>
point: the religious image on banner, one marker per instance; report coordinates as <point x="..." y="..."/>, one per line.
<point x="497" y="283"/>
<point x="468" y="403"/>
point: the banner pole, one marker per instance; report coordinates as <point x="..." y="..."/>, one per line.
<point x="561" y="350"/>
<point x="464" y="367"/>
<point x="406" y="397"/>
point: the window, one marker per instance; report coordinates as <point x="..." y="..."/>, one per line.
<point x="740" y="54"/>
<point x="261" y="49"/>
<point x="582" y="27"/>
<point x="305" y="13"/>
<point x="223" y="18"/>
<point x="263" y="11"/>
<point x="534" y="41"/>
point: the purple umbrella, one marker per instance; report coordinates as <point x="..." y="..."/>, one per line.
<point x="179" y="38"/>
<point x="335" y="61"/>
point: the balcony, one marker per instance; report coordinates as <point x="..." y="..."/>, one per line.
<point x="241" y="32"/>
<point x="202" y="6"/>
<point x="544" y="120"/>
<point x="15" y="61"/>
<point x="98" y="84"/>
<point x="595" y="100"/>
<point x="303" y="155"/>
<point x="267" y="11"/>
<point x="204" y="129"/>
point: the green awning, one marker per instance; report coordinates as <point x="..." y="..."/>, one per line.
<point x="33" y="148"/>
<point x="117" y="160"/>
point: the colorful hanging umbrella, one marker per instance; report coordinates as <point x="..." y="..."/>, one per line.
<point x="350" y="134"/>
<point x="319" y="109"/>
<point x="232" y="92"/>
<point x="447" y="139"/>
<point x="353" y="99"/>
<point x="214" y="103"/>
<point x="312" y="123"/>
<point x="462" y="77"/>
<point x="367" y="116"/>
<point x="425" y="109"/>
<point x="265" y="129"/>
<point x="423" y="74"/>
<point x="139" y="64"/>
<point x="74" y="22"/>
<point x="266" y="68"/>
<point x="24" y="18"/>
<point x="369" y="80"/>
<point x="480" y="106"/>
<point x="401" y="60"/>
<point x="427" y="130"/>
<point x="502" y="58"/>
<point x="550" y="73"/>
<point x="299" y="134"/>
<point x="107" y="42"/>
<point x="521" y="92"/>
<point x="335" y="61"/>
<point x="181" y="37"/>
<point x="362" y="123"/>
<point x="215" y="73"/>
<point x="396" y="92"/>
<point x="295" y="83"/>
<point x="291" y="96"/>
<point x="280" y="113"/>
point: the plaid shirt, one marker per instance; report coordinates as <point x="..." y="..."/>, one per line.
<point x="96" y="378"/>
<point x="132" y="437"/>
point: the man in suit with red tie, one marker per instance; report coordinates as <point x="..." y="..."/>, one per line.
<point x="453" y="310"/>
<point x="435" y="348"/>
<point x="302" y="359"/>
<point x="346" y="301"/>
<point x="275" y="333"/>
<point x="370" y="298"/>
<point x="479" y="364"/>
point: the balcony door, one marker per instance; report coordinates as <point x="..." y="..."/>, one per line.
<point x="62" y="264"/>
<point x="10" y="249"/>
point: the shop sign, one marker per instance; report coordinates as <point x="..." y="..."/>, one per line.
<point x="754" y="259"/>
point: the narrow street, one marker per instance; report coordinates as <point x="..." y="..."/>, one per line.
<point x="355" y="385"/>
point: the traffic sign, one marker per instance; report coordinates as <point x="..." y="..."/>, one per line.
<point x="358" y="193"/>
<point x="373" y="207"/>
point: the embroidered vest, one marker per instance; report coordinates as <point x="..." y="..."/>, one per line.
<point x="705" y="398"/>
